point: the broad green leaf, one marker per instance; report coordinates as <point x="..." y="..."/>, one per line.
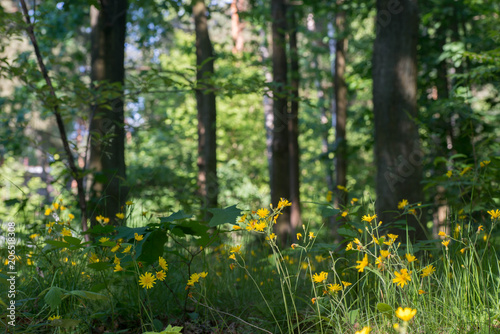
<point x="175" y="216"/>
<point x="328" y="212"/>
<point x="223" y="216"/>
<point x="348" y="233"/>
<point x="58" y="244"/>
<point x="385" y="309"/>
<point x="88" y="295"/>
<point x="72" y="240"/>
<point x="53" y="297"/>
<point x="152" y="247"/>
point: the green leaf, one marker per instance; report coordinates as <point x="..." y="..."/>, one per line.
<point x="352" y="316"/>
<point x="223" y="216"/>
<point x="54" y="297"/>
<point x="168" y="330"/>
<point x="152" y="247"/>
<point x="175" y="216"/>
<point x="66" y="323"/>
<point x="72" y="240"/>
<point x="58" y="244"/>
<point x="385" y="309"/>
<point x="88" y="295"/>
<point x="348" y="233"/>
<point x="328" y="212"/>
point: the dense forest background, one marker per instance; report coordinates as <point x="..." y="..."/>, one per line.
<point x="159" y="124"/>
<point x="148" y="113"/>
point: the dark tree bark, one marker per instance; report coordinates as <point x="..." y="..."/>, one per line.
<point x="397" y="149"/>
<point x="340" y="88"/>
<point x="205" y="99"/>
<point x="107" y="144"/>
<point x="280" y="175"/>
<point x="293" y="124"/>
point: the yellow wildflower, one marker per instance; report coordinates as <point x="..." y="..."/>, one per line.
<point x="162" y="263"/>
<point x="54" y="317"/>
<point x="118" y="267"/>
<point x="494" y="214"/>
<point x="346" y="284"/>
<point x="311" y="235"/>
<point x="484" y="163"/>
<point x="147" y="280"/>
<point x="427" y="271"/>
<point x="446" y="243"/>
<point x="299" y="235"/>
<point x="349" y="246"/>
<point x="365" y="330"/>
<point x="465" y="170"/>
<point x="127" y="249"/>
<point x="48" y="212"/>
<point x="262" y="213"/>
<point x="402" y="278"/>
<point x="272" y="236"/>
<point x="362" y="264"/>
<point x="442" y="234"/>
<point x="71" y="216"/>
<point x="449" y="173"/>
<point x="138" y="237"/>
<point x="384" y="253"/>
<point x="236" y="227"/>
<point x="368" y="218"/>
<point x="115" y="247"/>
<point x="160" y="275"/>
<point x="410" y="257"/>
<point x="129" y="203"/>
<point x="334" y="287"/>
<point x="103" y="240"/>
<point x="260" y="226"/>
<point x="405" y="314"/>
<point x="120" y="215"/>
<point x="421" y="292"/>
<point x="235" y="249"/>
<point x="321" y="277"/>
<point x="329" y="196"/>
<point x="65" y="232"/>
<point x="402" y="204"/>
<point x="283" y="203"/>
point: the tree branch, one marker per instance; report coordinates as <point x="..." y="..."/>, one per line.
<point x="75" y="171"/>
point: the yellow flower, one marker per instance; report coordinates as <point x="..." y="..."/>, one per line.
<point x="346" y="284"/>
<point x="494" y="214"/>
<point x="293" y="246"/>
<point x="480" y="228"/>
<point x="54" y="317"/>
<point x="362" y="264"/>
<point x="93" y="258"/>
<point x="120" y="215"/>
<point x="321" y="277"/>
<point x="283" y="203"/>
<point x="365" y="330"/>
<point x="235" y="249"/>
<point x="138" y="237"/>
<point x="260" y="226"/>
<point x="127" y="249"/>
<point x="427" y="271"/>
<point x="71" y="216"/>
<point x="442" y="234"/>
<point x="116" y="260"/>
<point x="55" y="205"/>
<point x="465" y="170"/>
<point x="368" y="218"/>
<point x="329" y="196"/>
<point x="446" y="243"/>
<point x="162" y="263"/>
<point x="334" y="287"/>
<point x="410" y="257"/>
<point x="345" y="213"/>
<point x="118" y="268"/>
<point x="242" y="219"/>
<point x="349" y="246"/>
<point x="34" y="235"/>
<point x="421" y="292"/>
<point x="103" y="240"/>
<point x="405" y="314"/>
<point x="262" y="213"/>
<point x="449" y="173"/>
<point x="393" y="236"/>
<point x="484" y="163"/>
<point x="354" y="200"/>
<point x="236" y="227"/>
<point x="313" y="300"/>
<point x="402" y="278"/>
<point x="272" y="236"/>
<point x="129" y="203"/>
<point x="384" y="253"/>
<point x="194" y="278"/>
<point x="311" y="235"/>
<point x="48" y="212"/>
<point x="402" y="204"/>
<point x="232" y="257"/>
<point x="339" y="187"/>
<point x="299" y="235"/>
<point x="115" y="247"/>
<point x="65" y="232"/>
<point x="160" y="275"/>
<point x="147" y="280"/>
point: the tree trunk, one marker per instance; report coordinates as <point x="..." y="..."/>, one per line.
<point x="293" y="124"/>
<point x="107" y="144"/>
<point x="397" y="149"/>
<point x="340" y="88"/>
<point x="205" y="100"/>
<point x="280" y="176"/>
